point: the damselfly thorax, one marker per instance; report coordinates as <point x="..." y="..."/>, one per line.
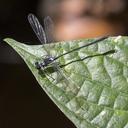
<point x="45" y="62"/>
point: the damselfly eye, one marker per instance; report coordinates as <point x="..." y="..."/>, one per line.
<point x="37" y="65"/>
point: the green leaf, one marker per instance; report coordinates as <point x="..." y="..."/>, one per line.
<point x="94" y="93"/>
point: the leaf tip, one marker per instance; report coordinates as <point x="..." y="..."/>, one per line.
<point x="7" y="40"/>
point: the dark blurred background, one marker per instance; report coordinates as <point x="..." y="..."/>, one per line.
<point x="23" y="103"/>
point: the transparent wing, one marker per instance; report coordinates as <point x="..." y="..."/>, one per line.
<point x="49" y="27"/>
<point x="37" y="28"/>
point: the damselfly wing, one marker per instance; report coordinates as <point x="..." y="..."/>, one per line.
<point x="46" y="37"/>
<point x="43" y="37"/>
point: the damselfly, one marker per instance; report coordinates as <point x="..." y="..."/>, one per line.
<point x="45" y="36"/>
